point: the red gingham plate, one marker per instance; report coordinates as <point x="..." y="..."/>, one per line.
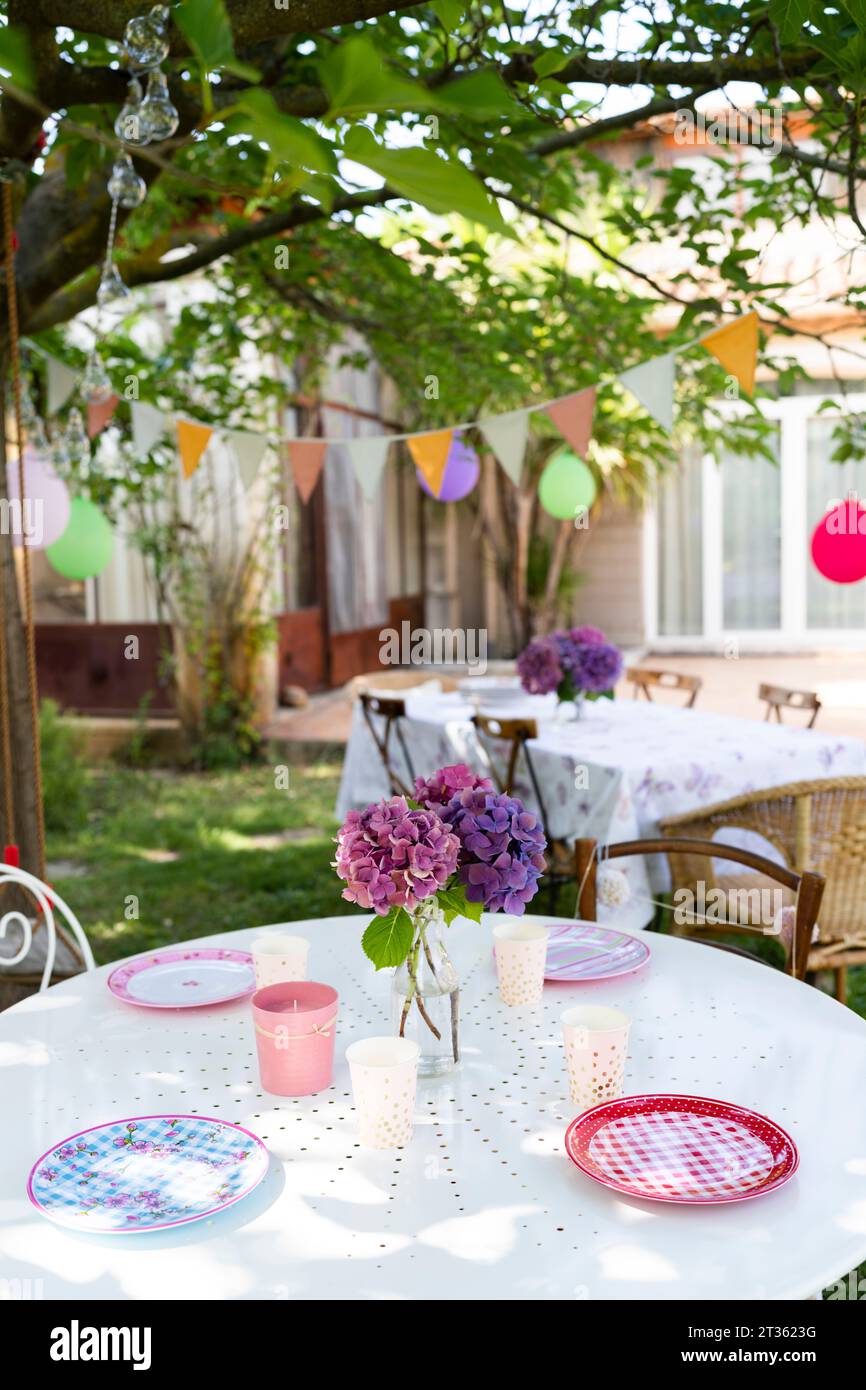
<point x="670" y="1148"/>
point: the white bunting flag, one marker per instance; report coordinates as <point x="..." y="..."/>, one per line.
<point x="249" y="452"/>
<point x="507" y="436"/>
<point x="369" y="455"/>
<point x="652" y="383"/>
<point x="61" y="384"/>
<point x="148" y="425"/>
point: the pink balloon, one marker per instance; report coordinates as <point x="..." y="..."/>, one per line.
<point x="44" y="515"/>
<point x="461" y="472"/>
<point x="839" y="543"/>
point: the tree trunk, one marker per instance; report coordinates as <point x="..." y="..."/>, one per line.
<point x="25" y="833"/>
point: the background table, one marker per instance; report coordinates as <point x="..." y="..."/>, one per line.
<point x="484" y="1202"/>
<point x="614" y="774"/>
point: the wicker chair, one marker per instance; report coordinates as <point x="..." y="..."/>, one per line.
<point x="502" y="743"/>
<point x="806" y="889"/>
<point x="820" y="823"/>
<point x="643" y="679"/>
<point x="778" y="697"/>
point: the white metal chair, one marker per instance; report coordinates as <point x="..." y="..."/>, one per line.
<point x="48" y="902"/>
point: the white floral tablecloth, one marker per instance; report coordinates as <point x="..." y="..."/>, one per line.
<point x="615" y="773"/>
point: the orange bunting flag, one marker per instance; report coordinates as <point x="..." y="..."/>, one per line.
<point x="736" y="347"/>
<point x="430" y="455"/>
<point x="573" y="418"/>
<point x="306" y="457"/>
<point x="192" y="440"/>
<point x="99" y="413"/>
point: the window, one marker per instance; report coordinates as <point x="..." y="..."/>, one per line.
<point x="752" y="542"/>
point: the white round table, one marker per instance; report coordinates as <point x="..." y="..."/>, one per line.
<point x="484" y="1202"/>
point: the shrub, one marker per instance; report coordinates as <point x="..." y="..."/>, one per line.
<point x="63" y="769"/>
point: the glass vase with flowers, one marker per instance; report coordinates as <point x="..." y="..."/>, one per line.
<point x="456" y="849"/>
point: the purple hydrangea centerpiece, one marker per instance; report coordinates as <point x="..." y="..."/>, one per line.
<point x="576" y="662"/>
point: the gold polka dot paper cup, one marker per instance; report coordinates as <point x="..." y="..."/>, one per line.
<point x="278" y="958"/>
<point x="521" y="953"/>
<point x="384" y="1075"/>
<point x="596" y="1047"/>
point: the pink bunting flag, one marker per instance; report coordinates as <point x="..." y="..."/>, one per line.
<point x="306" y="457"/>
<point x="573" y="418"/>
<point x="99" y="413"/>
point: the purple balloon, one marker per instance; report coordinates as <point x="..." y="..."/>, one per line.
<point x="461" y="472"/>
<point x="45" y="514"/>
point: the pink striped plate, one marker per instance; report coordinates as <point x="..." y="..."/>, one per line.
<point x="688" y="1149"/>
<point x="585" y="951"/>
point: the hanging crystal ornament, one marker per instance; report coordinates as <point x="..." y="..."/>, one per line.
<point x="28" y="409"/>
<point x="159" y="117"/>
<point x="111" y="286"/>
<point x="146" y="40"/>
<point x="59" y="455"/>
<point x="77" y="442"/>
<point x="125" y="186"/>
<point x="36" y="436"/>
<point x="96" y="383"/>
<point x="129" y="125"/>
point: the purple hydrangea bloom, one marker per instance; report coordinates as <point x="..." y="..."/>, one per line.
<point x="539" y="666"/>
<point x="597" y="666"/>
<point x="438" y="790"/>
<point x="591" y="636"/>
<point x="391" y="856"/>
<point x="502" y="848"/>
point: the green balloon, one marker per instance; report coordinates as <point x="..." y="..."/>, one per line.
<point x="567" y="486"/>
<point x="85" y="547"/>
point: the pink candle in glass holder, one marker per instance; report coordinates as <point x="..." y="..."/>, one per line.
<point x="295" y="1023"/>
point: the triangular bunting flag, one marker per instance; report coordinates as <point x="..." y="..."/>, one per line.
<point x="369" y="456"/>
<point x="306" y="457"/>
<point x="192" y="440"/>
<point x="249" y="452"/>
<point x="573" y="418"/>
<point x="652" y="383"/>
<point x="507" y="435"/>
<point x="736" y="347"/>
<point x="99" y="413"/>
<point x="148" y="425"/>
<point x="61" y="384"/>
<point x="430" y="455"/>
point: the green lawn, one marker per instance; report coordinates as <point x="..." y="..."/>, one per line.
<point x="187" y="847"/>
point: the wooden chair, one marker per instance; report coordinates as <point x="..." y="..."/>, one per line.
<point x="48" y="946"/>
<point x="643" y="678"/>
<point x="391" y="711"/>
<point x="516" y="734"/>
<point x="778" y="698"/>
<point x="821" y="823"/>
<point x="806" y="888"/>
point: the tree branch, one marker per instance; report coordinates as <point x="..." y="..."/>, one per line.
<point x="143" y="270"/>
<point x="250" y="22"/>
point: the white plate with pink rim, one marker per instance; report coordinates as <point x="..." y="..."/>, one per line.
<point x="179" y="978"/>
<point x="586" y="951"/>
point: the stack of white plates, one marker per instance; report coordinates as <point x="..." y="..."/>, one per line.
<point x="492" y="690"/>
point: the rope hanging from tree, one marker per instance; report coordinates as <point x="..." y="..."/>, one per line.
<point x="11" y="852"/>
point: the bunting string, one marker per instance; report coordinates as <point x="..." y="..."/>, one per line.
<point x="651" y="383"/>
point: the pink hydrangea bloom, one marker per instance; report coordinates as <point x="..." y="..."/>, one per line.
<point x="391" y="856"/>
<point x="447" y="782"/>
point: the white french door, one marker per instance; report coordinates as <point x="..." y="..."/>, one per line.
<point x="727" y="544"/>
